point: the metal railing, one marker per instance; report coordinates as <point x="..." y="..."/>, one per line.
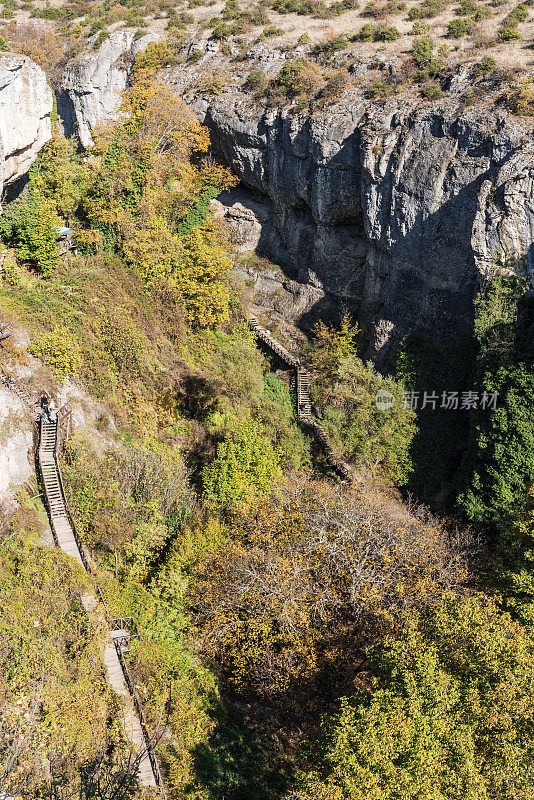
<point x="142" y="721"/>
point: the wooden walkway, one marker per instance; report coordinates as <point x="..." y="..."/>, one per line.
<point x="67" y="538"/>
<point x="303" y="385"/>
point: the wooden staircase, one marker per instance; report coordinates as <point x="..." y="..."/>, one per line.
<point x="68" y="539"/>
<point x="303" y="386"/>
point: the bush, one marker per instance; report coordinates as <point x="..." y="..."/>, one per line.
<point x="520" y="98"/>
<point x="256" y="79"/>
<point x="422" y="50"/>
<point x="122" y="341"/>
<point x="380" y="33"/>
<point x="304" y="38"/>
<point x="486" y="66"/>
<point x="386" y="33"/>
<point x="299" y="77"/>
<point x="32" y="227"/>
<point x="366" y="33"/>
<point x="60" y="351"/>
<point x="507" y="33"/>
<point x="245" y="465"/>
<point x="419" y="29"/>
<point x="211" y="83"/>
<point x="462" y="26"/>
<point x="431" y="92"/>
<point x="331" y="46"/>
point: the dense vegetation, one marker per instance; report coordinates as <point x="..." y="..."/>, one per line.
<point x="303" y="638"/>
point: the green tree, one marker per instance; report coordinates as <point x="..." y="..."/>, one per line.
<point x="246" y="464"/>
<point x="61" y="175"/>
<point x="500" y="463"/>
<point x="345" y="392"/>
<point x="31" y="227"/>
<point x="449" y="718"/>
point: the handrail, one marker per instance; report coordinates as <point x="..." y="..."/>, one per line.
<point x="142" y="720"/>
<point x="77" y="537"/>
<point x="302" y="377"/>
<point x="63" y="414"/>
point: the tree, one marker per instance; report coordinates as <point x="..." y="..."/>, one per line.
<point x="32" y="227"/>
<point x="307" y="579"/>
<point x="448" y="715"/>
<point x="246" y="464"/>
<point x="500" y="463"/>
<point x="150" y="198"/>
<point x="60" y="174"/>
<point x="345" y="391"/>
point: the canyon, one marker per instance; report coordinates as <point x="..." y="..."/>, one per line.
<point x="398" y="211"/>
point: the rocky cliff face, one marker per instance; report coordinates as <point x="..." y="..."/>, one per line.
<point x="90" y="92"/>
<point x="25" y="108"/>
<point x="397" y="211"/>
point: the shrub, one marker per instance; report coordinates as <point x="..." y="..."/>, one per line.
<point x="304" y="38"/>
<point x="482" y="13"/>
<point x="380" y="33"/>
<point x="195" y="55"/>
<point x="256" y="79"/>
<point x="419" y="29"/>
<point x="102" y="36"/>
<point x="386" y="33"/>
<point x="508" y="33"/>
<point x="32" y="228"/>
<point x="271" y="31"/>
<point x="366" y="33"/>
<point x="520" y="98"/>
<point x="299" y="77"/>
<point x="431" y="92"/>
<point x="462" y="26"/>
<point x="422" y="50"/>
<point x="122" y="341"/>
<point x="429" y="8"/>
<point x="466" y="8"/>
<point x="330" y="46"/>
<point x="245" y="465"/>
<point x="60" y="351"/>
<point x="486" y="66"/>
<point x="211" y="83"/>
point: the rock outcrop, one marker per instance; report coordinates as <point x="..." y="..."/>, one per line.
<point x="16" y="451"/>
<point x="90" y="92"/>
<point x="397" y="211"/>
<point x="25" y="108"/>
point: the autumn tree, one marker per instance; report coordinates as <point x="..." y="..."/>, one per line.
<point x="308" y="579"/>
<point x="150" y="174"/>
<point x="447" y="714"/>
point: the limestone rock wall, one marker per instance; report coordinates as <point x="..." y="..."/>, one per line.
<point x="25" y="108"/>
<point x="90" y="92"/>
<point x="16" y="446"/>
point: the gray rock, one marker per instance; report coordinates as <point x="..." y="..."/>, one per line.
<point x="90" y="91"/>
<point x="25" y="107"/>
<point x="396" y="211"/>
